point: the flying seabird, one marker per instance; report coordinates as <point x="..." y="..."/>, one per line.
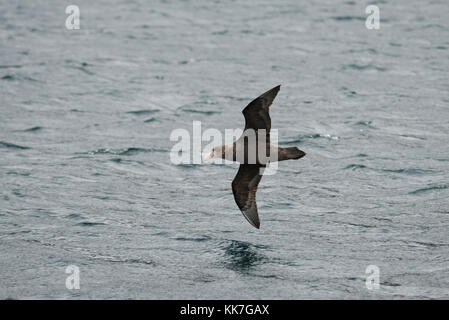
<point x="246" y="151"/>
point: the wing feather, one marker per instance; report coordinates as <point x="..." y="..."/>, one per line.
<point x="244" y="187"/>
<point x="257" y="111"/>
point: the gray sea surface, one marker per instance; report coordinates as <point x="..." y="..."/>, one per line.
<point x="85" y="171"/>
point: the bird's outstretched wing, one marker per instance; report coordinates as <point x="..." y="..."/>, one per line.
<point x="256" y="112"/>
<point x="244" y="187"/>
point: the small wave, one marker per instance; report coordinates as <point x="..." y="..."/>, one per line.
<point x="430" y="189"/>
<point x="193" y="239"/>
<point x="11" y="77"/>
<point x="348" y="18"/>
<point x="361" y="155"/>
<point x="118" y="259"/>
<point x="249" y="31"/>
<point x="131" y="151"/>
<point x="395" y="44"/>
<point x="89" y="224"/>
<point x="434" y="25"/>
<point x="366" y="124"/>
<point x="209" y="112"/>
<point x="25" y="174"/>
<point x="150" y="120"/>
<point x="83" y="69"/>
<point x="14" y="66"/>
<point x="191" y="60"/>
<point x="161" y="61"/>
<point x="45" y="244"/>
<point x="103" y="151"/>
<point x="126" y="161"/>
<point x="74" y="216"/>
<point x="138" y="260"/>
<point x="355" y="224"/>
<point x="410" y="171"/>
<point x="220" y="33"/>
<point x="188" y="165"/>
<point x="143" y="112"/>
<point x="8" y="77"/>
<point x="348" y="92"/>
<point x="125" y="260"/>
<point x="431" y="244"/>
<point x="360" y="67"/>
<point x="33" y="129"/>
<point x="12" y="145"/>
<point x="410" y="136"/>
<point x="302" y="138"/>
<point x="126" y="151"/>
<point x="354" y="18"/>
<point x="80" y="66"/>
<point x="355" y="166"/>
<point x="390" y="284"/>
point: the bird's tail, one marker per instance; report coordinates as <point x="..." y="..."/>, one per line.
<point x="290" y="153"/>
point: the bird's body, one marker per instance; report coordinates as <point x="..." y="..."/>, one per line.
<point x="253" y="150"/>
<point x="232" y="151"/>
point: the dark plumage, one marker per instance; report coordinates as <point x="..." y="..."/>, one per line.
<point x="244" y="185"/>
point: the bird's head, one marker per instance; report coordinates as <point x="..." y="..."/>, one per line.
<point x="215" y="153"/>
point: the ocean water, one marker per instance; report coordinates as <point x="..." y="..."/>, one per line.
<point x="86" y="177"/>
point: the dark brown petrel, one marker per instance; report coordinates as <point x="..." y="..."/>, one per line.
<point x="245" y="150"/>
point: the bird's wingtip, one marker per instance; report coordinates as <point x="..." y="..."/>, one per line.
<point x="252" y="216"/>
<point x="255" y="224"/>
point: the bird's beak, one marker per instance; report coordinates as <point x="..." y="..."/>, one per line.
<point x="209" y="156"/>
